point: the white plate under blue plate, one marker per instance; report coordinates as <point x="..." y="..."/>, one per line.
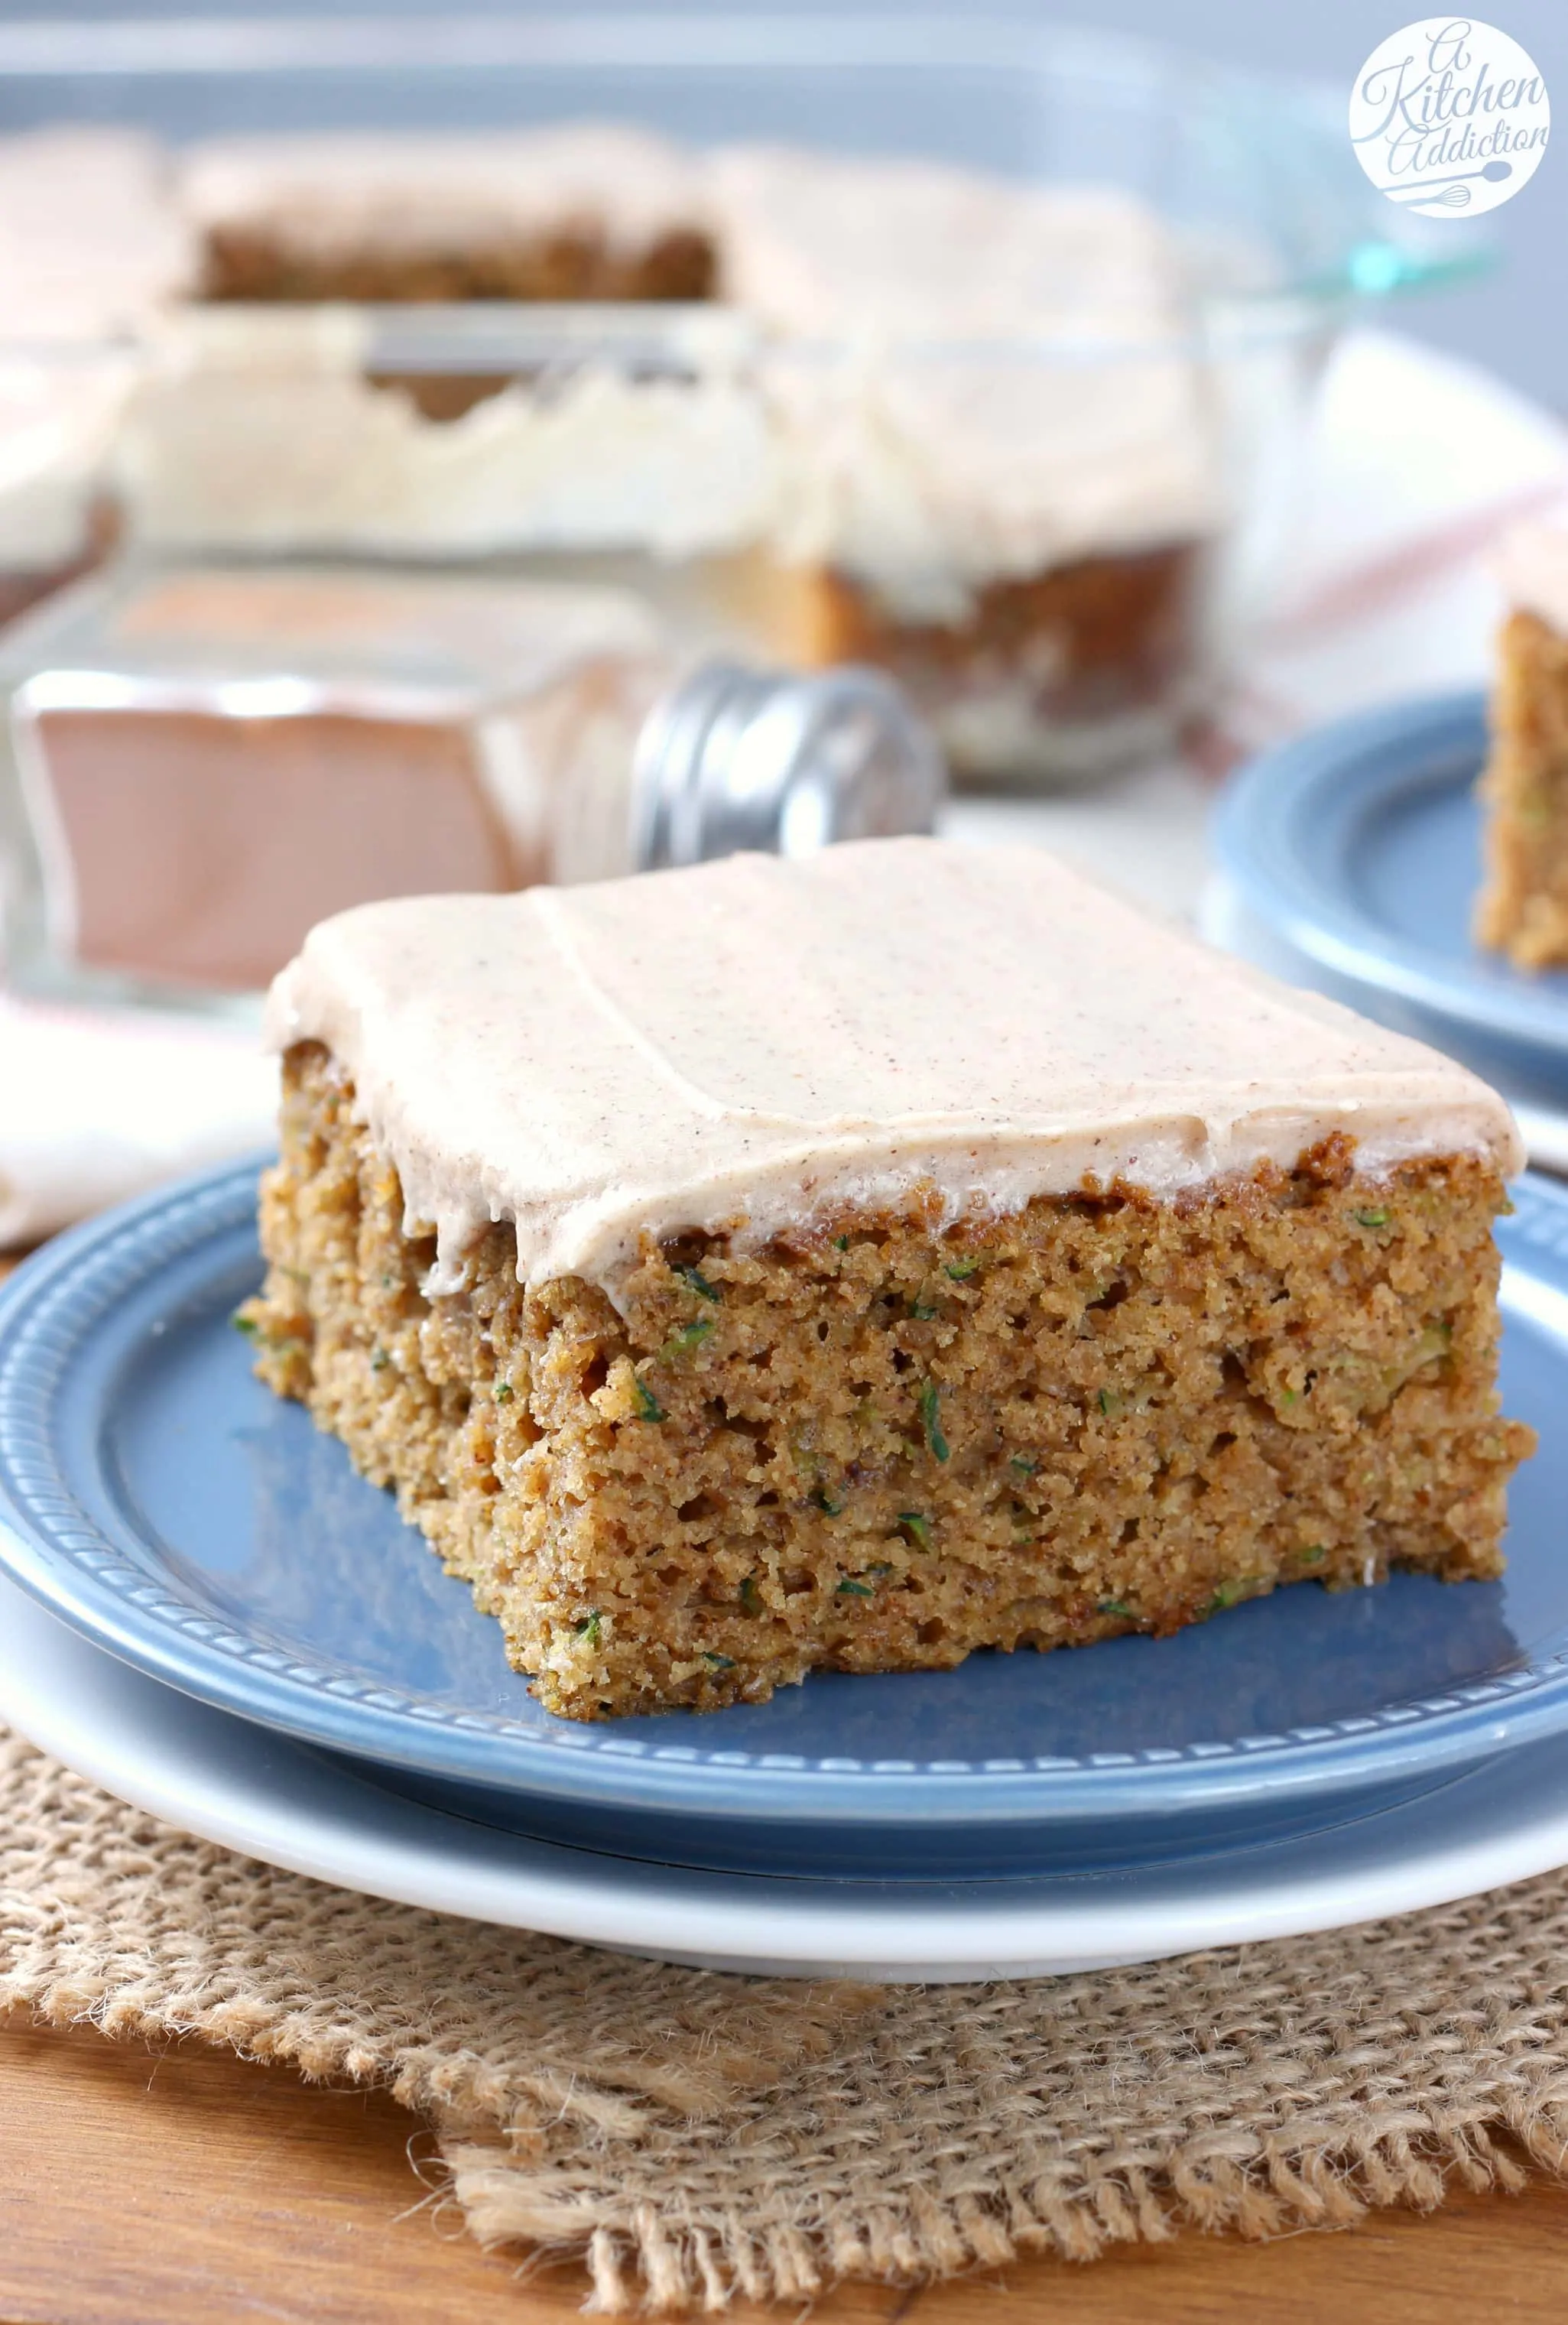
<point x="250" y="1789"/>
<point x="1359" y="846"/>
<point x="163" y="1503"/>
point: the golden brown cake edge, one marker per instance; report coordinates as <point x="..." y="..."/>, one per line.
<point x="1522" y="910"/>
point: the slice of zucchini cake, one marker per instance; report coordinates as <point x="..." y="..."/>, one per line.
<point x="858" y="1261"/>
<point x="1522" y="907"/>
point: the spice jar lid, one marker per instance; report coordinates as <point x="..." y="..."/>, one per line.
<point x="737" y="758"/>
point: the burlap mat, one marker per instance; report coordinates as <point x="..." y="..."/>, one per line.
<point x="696" y="2137"/>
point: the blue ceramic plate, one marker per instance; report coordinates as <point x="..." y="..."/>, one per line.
<point x="163" y="1503"/>
<point x="1359" y="847"/>
<point x="249" y="1789"/>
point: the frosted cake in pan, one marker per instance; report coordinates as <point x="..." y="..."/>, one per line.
<point x="963" y="429"/>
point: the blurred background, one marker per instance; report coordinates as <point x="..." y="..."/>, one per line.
<point x="593" y="439"/>
<point x="1516" y="321"/>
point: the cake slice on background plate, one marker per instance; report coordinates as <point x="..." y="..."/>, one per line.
<point x="857" y="1261"/>
<point x="1522" y="907"/>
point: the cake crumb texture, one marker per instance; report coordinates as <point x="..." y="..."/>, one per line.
<point x="883" y="1443"/>
<point x="1523" y="908"/>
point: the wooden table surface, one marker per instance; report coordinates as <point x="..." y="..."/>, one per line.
<point x="182" y="2186"/>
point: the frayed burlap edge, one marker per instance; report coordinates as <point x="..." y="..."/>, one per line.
<point x="694" y="2137"/>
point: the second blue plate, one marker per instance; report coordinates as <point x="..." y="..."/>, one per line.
<point x="164" y="1504"/>
<point x="1359" y="846"/>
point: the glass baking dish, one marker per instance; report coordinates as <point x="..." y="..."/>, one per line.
<point x="1050" y="533"/>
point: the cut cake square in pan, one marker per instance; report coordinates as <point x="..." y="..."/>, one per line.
<point x="858" y="1261"/>
<point x="579" y="210"/>
<point x="963" y="433"/>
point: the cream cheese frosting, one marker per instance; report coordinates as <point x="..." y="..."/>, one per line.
<point x="1531" y="563"/>
<point x="90" y="246"/>
<point x="926" y="477"/>
<point x="59" y="411"/>
<point x="817" y="244"/>
<point x="262" y="432"/>
<point x="756" y="1042"/>
<point x="91" y="240"/>
<point x="1001" y="379"/>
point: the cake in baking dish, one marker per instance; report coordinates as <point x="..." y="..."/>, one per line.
<point x="982" y="451"/>
<point x="1523" y="908"/>
<point x="855" y="1262"/>
<point x="961" y="425"/>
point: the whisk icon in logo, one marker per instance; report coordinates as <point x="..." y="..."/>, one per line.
<point x="1449" y="116"/>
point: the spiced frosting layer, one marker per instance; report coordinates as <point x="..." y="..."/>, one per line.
<point x="757" y="1042"/>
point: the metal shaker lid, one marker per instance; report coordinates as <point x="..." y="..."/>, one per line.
<point x="741" y="758"/>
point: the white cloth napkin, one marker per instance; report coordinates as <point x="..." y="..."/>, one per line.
<point x="1415" y="461"/>
<point x="95" y="1106"/>
<point x="1418" y="461"/>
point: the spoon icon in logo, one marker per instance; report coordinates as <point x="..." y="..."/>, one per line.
<point x="1452" y="194"/>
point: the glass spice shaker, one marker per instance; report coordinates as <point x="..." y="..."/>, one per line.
<point x="196" y="764"/>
